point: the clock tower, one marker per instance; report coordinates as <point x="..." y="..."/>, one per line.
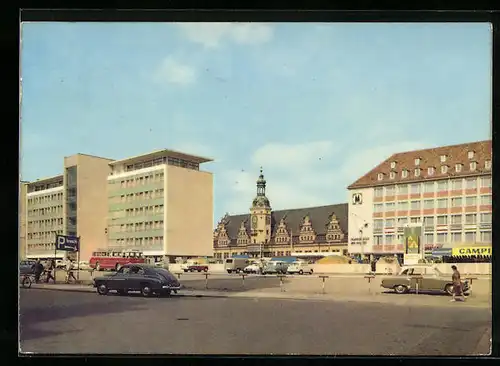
<point x="260" y="214"/>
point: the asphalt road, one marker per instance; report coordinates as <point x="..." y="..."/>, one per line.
<point x="69" y="322"/>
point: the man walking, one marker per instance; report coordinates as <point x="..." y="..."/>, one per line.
<point x="69" y="271"/>
<point x="50" y="271"/>
<point x="457" y="285"/>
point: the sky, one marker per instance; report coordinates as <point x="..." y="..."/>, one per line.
<point x="317" y="105"/>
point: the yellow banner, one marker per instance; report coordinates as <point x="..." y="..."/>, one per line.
<point x="471" y="251"/>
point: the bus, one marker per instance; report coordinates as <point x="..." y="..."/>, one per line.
<point x="114" y="259"/>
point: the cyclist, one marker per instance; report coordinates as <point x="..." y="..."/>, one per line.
<point x="38" y="270"/>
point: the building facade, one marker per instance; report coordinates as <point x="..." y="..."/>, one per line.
<point x="73" y="203"/>
<point x="44" y="216"/>
<point x="266" y="233"/>
<point x="447" y="190"/>
<point x="23" y="190"/>
<point x="161" y="204"/>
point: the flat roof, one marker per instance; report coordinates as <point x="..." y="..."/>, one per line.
<point x="162" y="153"/>
<point x="92" y="156"/>
<point x="47" y="179"/>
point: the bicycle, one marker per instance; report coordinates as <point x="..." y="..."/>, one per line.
<point x="26" y="280"/>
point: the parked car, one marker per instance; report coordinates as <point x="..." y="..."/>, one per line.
<point x="432" y="279"/>
<point x="26" y="266"/>
<point x="84" y="266"/>
<point x="275" y="267"/>
<point x="300" y="267"/>
<point x="145" y="278"/>
<point x="195" y="266"/>
<point x="235" y="264"/>
<point x="253" y="268"/>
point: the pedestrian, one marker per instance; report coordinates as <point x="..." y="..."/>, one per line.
<point x="457" y="285"/>
<point x="50" y="271"/>
<point x="69" y="271"/>
<point x="38" y="270"/>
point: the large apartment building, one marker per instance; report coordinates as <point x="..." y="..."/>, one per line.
<point x="447" y="190"/>
<point x="73" y="203"/>
<point x="161" y="204"/>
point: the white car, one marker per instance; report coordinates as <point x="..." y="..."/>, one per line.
<point x="252" y="268"/>
<point x="84" y="265"/>
<point x="300" y="268"/>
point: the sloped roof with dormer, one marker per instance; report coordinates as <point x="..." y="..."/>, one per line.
<point x="429" y="158"/>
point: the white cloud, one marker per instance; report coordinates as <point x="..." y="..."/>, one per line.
<point x="172" y="71"/>
<point x="297" y="178"/>
<point x="211" y="35"/>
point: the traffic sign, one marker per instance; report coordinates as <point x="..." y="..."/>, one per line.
<point x="67" y="243"/>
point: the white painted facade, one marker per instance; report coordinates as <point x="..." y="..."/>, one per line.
<point x="360" y="221"/>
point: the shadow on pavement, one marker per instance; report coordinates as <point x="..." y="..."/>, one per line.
<point x="32" y="312"/>
<point x="234" y="284"/>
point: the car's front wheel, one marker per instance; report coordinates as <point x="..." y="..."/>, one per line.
<point x="400" y="289"/>
<point x="146" y="290"/>
<point x="301" y="272"/>
<point x="102" y="289"/>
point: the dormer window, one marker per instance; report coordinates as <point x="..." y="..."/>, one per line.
<point x="393" y="164"/>
<point x="417" y="172"/>
<point x="473" y="165"/>
<point x="444" y="169"/>
<point x="417" y="161"/>
<point x="404" y="173"/>
<point x="380" y="176"/>
<point x="458" y="168"/>
<point x="430" y="170"/>
<point x="442" y="158"/>
<point x="487" y="164"/>
<point x="470" y="154"/>
<point x="392" y="175"/>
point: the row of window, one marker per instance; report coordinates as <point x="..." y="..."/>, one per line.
<point x="44" y="235"/>
<point x="147" y="241"/>
<point x="445" y="169"/>
<point x="46" y="211"/>
<point x="45" y="199"/>
<point x="468" y="219"/>
<point x="132" y="197"/>
<point x="469" y="201"/>
<point x="439" y="238"/>
<point x="46" y="223"/>
<point x="142" y="179"/>
<point x="430" y="187"/>
<point x="140" y="226"/>
<point x="144" y="211"/>
<point x="43" y="187"/>
<point x="41" y="246"/>
<point x="164" y="160"/>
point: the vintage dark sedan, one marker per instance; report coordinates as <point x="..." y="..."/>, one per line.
<point x="145" y="278"/>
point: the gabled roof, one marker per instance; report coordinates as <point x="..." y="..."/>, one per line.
<point x="455" y="154"/>
<point x="319" y="217"/>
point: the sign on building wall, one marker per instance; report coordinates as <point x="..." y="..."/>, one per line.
<point x="413" y="246"/>
<point x="471" y="251"/>
<point x="357" y="198"/>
